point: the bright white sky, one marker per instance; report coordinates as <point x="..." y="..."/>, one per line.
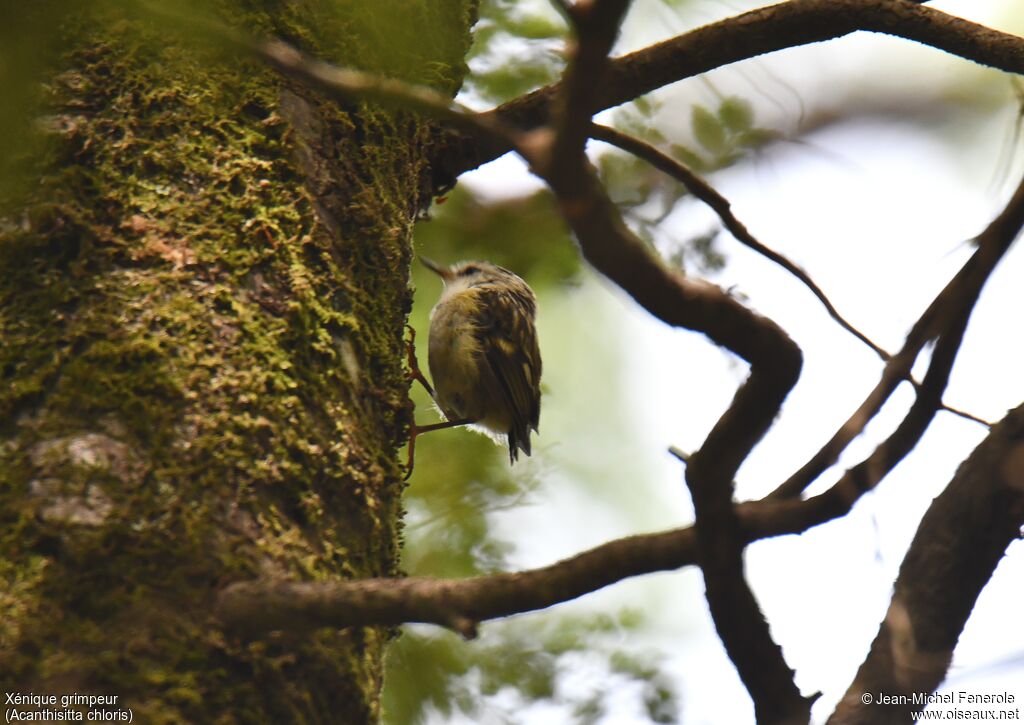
<point x="878" y="214"/>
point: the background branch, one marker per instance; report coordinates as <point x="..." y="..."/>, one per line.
<point x="347" y="84"/>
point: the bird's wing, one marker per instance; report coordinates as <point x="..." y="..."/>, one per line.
<point x="514" y="357"/>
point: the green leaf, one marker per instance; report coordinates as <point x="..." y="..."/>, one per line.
<point x="538" y="27"/>
<point x="689" y="157"/>
<point x="756" y="137"/>
<point x="736" y="114"/>
<point x="643" y="106"/>
<point x="707" y="129"/>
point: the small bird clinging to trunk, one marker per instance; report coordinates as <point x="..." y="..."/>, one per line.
<point x="483" y="353"/>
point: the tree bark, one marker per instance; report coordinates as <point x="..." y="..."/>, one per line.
<point x="958" y="545"/>
<point x="202" y="299"/>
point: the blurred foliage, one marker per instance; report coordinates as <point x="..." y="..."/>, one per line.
<point x="721" y="137"/>
<point x="519" y="46"/>
<point x="530" y="32"/>
<point x="449" y="506"/>
<point x="573" y="663"/>
<point x="525" y="234"/>
<point x="28" y="44"/>
<point x="384" y="37"/>
<point x="726" y="135"/>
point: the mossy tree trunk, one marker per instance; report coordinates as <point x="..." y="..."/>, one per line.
<point x="202" y="298"/>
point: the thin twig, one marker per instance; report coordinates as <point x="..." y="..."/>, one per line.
<point x="966" y="415"/>
<point x="679" y="454"/>
<point x="721" y="206"/>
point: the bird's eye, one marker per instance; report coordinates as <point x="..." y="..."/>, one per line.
<point x="468" y="270"/>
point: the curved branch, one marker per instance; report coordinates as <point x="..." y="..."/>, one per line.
<point x="855" y="482"/>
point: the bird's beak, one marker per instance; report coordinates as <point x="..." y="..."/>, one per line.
<point x="443" y="272"/>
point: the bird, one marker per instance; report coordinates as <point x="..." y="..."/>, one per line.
<point x="483" y="354"/>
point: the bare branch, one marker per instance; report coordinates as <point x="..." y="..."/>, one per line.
<point x="869" y="473"/>
<point x="895" y="371"/>
<point x="346" y="84"/>
<point x="261" y="606"/>
<point x="966" y="415"/>
<point x="958" y="544"/>
<point x="842" y="495"/>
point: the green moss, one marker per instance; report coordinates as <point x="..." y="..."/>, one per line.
<point x="421" y="42"/>
<point x="201" y="302"/>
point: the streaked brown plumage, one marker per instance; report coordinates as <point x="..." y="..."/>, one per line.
<point x="483" y="351"/>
